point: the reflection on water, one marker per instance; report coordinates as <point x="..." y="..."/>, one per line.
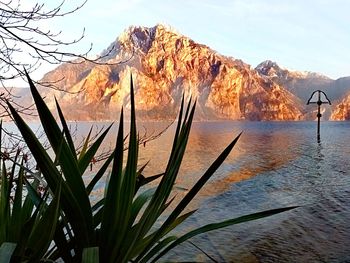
<point x="274" y="164"/>
<point x="286" y="167"/>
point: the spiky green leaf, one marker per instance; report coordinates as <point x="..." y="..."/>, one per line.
<point x="6" y="251"/>
<point x="43" y="231"/>
<point x="87" y="154"/>
<point x="90" y="255"/>
<point x="214" y="226"/>
<point x="65" y="129"/>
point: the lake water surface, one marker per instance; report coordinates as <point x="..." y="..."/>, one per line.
<point x="274" y="164"/>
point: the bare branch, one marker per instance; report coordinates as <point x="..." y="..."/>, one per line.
<point x="25" y="43"/>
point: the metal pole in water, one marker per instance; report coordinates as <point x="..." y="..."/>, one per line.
<point x="319" y="115"/>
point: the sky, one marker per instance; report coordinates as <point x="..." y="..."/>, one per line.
<point x="306" y="35"/>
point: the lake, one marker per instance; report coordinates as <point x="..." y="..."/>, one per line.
<point x="274" y="164"/>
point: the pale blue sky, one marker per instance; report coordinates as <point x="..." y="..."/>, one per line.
<point x="312" y="35"/>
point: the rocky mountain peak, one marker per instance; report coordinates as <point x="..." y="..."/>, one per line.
<point x="166" y="64"/>
<point x="270" y="69"/>
<point x="140" y="38"/>
<point x="266" y="66"/>
<point x="300" y="83"/>
<point x="137" y="39"/>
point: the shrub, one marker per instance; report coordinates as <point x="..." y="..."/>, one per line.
<point x="121" y="226"/>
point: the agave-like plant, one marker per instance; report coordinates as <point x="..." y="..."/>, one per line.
<point x="27" y="222"/>
<point x="122" y="225"/>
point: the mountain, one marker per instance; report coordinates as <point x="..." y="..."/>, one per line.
<point x="341" y="111"/>
<point x="302" y="84"/>
<point x="164" y="65"/>
<point x="20" y="99"/>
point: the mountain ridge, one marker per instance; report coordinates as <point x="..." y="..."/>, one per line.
<point x="166" y="64"/>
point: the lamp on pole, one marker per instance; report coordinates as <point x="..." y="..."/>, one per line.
<point x="319" y="102"/>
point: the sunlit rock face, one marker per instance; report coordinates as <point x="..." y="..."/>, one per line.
<point x="300" y="83"/>
<point x="303" y="84"/>
<point x="341" y="111"/>
<point x="164" y="65"/>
